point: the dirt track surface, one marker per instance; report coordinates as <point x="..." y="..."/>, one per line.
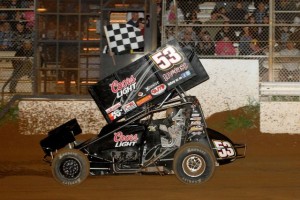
<point x="270" y="171"/>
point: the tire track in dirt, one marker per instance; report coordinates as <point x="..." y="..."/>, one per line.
<point x="32" y="168"/>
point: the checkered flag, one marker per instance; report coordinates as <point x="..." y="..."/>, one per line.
<point x="122" y="37"/>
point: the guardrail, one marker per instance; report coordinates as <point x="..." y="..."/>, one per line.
<point x="279" y="89"/>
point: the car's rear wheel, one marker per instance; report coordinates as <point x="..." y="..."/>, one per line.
<point x="194" y="163"/>
<point x="70" y="167"/>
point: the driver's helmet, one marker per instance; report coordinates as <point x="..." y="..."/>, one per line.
<point x="171" y="112"/>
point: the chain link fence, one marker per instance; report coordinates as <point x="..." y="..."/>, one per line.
<point x="48" y="47"/>
<point x="16" y="48"/>
<point x="266" y="30"/>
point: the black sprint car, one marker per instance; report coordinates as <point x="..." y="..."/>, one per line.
<point x="153" y="127"/>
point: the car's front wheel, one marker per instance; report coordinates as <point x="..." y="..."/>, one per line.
<point x="194" y="163"/>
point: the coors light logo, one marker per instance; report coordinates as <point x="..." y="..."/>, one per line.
<point x="123" y="87"/>
<point x="122" y="140"/>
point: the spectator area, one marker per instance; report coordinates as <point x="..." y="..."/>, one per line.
<point x="207" y="7"/>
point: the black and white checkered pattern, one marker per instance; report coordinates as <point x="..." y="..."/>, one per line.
<point x="122" y="37"/>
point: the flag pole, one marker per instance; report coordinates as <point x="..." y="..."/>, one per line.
<point x="112" y="55"/>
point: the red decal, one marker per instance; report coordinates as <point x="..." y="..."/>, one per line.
<point x="130" y="106"/>
<point x="120" y="137"/>
<point x="158" y="89"/>
<point x="117" y="86"/>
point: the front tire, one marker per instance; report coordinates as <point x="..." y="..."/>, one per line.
<point x="194" y="163"/>
<point x="70" y="167"/>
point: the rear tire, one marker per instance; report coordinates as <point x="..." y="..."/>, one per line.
<point x="70" y="167"/>
<point x="194" y="163"/>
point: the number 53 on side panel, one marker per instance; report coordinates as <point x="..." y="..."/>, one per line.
<point x="224" y="148"/>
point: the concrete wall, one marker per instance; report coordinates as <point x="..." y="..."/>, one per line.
<point x="232" y="83"/>
<point x="39" y="117"/>
<point x="280" y="117"/>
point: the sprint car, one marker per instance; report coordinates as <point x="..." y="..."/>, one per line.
<point x="152" y="127"/>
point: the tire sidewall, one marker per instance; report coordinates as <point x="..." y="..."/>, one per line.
<point x="200" y="150"/>
<point x="61" y="157"/>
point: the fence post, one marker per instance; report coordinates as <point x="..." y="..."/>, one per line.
<point x="271" y="39"/>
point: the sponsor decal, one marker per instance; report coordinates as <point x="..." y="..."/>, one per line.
<point x="176" y="70"/>
<point x="186" y="74"/>
<point x="151" y="86"/>
<point x="122" y="140"/>
<point x="158" y="89"/>
<point x="144" y="100"/>
<point x="174" y="81"/>
<point x="130" y="106"/>
<point x="113" y="108"/>
<point x="123" y="87"/>
<point x="115" y="114"/>
<point x="140" y="94"/>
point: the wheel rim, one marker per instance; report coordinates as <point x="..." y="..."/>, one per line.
<point x="193" y="165"/>
<point x="70" y="168"/>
